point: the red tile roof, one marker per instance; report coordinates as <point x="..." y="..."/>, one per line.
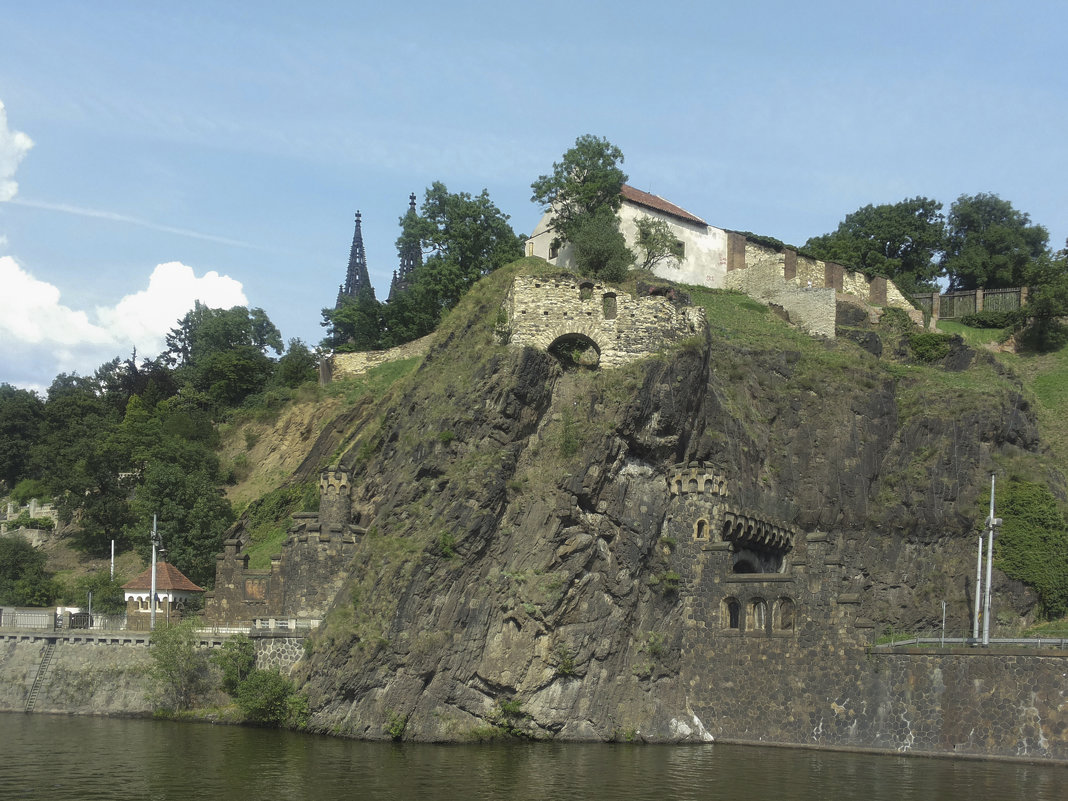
<point x="168" y="577"/>
<point x="658" y="203"/>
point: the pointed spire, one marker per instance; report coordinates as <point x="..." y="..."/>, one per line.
<point x="357" y="280"/>
<point x="411" y="257"/>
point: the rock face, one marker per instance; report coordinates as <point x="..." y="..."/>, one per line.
<point x="699" y="543"/>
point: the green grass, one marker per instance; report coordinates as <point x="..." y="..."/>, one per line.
<point x="374" y="382"/>
<point x="976" y="337"/>
<point x="1049" y="630"/>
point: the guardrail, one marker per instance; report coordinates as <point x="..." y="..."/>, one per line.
<point x="970" y="642"/>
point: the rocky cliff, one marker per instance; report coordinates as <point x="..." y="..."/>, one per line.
<point x="523" y="565"/>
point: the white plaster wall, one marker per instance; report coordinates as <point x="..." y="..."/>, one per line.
<point x="705" y="263"/>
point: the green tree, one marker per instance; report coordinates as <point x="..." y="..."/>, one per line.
<point x="989" y="244"/>
<point x="599" y="246"/>
<point x="268" y="698"/>
<point x="355" y="325"/>
<point x="108" y="596"/>
<point x="237" y="661"/>
<point x="897" y="241"/>
<point x="297" y="366"/>
<point x="23" y="578"/>
<point x="587" y="179"/>
<point x="1047" y="304"/>
<point x="179" y="668"/>
<point x="21" y="413"/>
<point x="223" y="352"/>
<point x="657" y="242"/>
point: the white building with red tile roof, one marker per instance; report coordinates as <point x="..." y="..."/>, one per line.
<point x="704" y="260"/>
<point x="173" y="589"/>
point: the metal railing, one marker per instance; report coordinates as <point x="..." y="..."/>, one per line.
<point x="905" y="640"/>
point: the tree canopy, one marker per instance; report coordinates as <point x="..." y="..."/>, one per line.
<point x="583" y="195"/>
<point x="990" y="244"/>
<point x="898" y="241"/>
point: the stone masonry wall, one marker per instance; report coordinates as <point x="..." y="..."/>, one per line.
<point x="813" y="310"/>
<point x="543" y="310"/>
<point x="347" y="365"/>
<point x="792" y="663"/>
<point x="277" y="651"/>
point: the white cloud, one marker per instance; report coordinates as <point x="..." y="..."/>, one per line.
<point x="13" y="147"/>
<point x="172" y="289"/>
<point x="42" y="337"/>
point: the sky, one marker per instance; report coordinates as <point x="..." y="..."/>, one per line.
<point x="155" y="154"/>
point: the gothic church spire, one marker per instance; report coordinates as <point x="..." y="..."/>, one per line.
<point x="357" y="281"/>
<point x="411" y="257"/>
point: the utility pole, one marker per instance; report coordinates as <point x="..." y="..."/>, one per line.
<point x="152" y="597"/>
<point x="978" y="592"/>
<point x="992" y="523"/>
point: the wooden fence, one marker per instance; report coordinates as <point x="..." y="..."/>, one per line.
<point x="954" y="305"/>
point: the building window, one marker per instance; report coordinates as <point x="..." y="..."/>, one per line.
<point x="680" y="249"/>
<point x="554" y="250"/>
<point x="732" y="613"/>
<point x="785" y="615"/>
<point x="701" y="530"/>
<point x="758" y="615"/>
<point x="609" y="303"/>
<point x="585" y="290"/>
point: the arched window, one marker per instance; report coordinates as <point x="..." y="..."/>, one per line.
<point x="585" y="290"/>
<point x="758" y="615"/>
<point x="608" y="301"/>
<point x="785" y="615"/>
<point x="732" y="613"/>
<point x="701" y="530"/>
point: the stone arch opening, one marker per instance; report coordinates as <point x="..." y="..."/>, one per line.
<point x="743" y="564"/>
<point x="700" y="531"/>
<point x="575" y="350"/>
<point x="732" y="613"/>
<point x="585" y="290"/>
<point x="785" y="615"/>
<point x="610" y="305"/>
<point x="758" y="615"/>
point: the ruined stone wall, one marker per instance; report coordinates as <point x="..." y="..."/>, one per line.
<point x="347" y="365"/>
<point x="813" y="310"/>
<point x="623" y="328"/>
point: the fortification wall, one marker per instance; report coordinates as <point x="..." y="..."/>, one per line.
<point x="813" y="310"/>
<point x="544" y="310"/>
<point x="303" y="579"/>
<point x="348" y="365"/>
<point x="782" y="656"/>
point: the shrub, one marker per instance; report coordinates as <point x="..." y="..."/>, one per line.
<point x="180" y="669"/>
<point x="237" y="660"/>
<point x="267" y="698"/>
<point x="991" y="319"/>
<point x="930" y="347"/>
<point x="1033" y="544"/>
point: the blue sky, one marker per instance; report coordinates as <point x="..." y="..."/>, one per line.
<point x="233" y="142"/>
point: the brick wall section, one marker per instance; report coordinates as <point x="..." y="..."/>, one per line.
<point x="624" y="328"/>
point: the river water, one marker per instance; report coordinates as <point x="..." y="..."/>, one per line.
<point x="84" y="758"/>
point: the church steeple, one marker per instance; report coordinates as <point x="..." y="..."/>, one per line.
<point x="411" y="257"/>
<point x="357" y="280"/>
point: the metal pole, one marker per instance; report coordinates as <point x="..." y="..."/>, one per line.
<point x="978" y="591"/>
<point x="943" y="624"/>
<point x="989" y="565"/>
<point x="152" y="597"/>
<point x="113" y="560"/>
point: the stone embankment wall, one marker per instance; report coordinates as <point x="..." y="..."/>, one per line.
<point x="542" y="311"/>
<point x="780" y="654"/>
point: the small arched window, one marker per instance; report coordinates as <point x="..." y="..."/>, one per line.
<point x="758" y="615"/>
<point x="701" y="530"/>
<point x="585" y="290"/>
<point x="609" y="303"/>
<point x="785" y="615"/>
<point x="732" y="613"/>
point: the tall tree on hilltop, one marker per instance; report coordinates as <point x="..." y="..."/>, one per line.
<point x="583" y="195"/>
<point x="897" y="241"/>
<point x="990" y="244"/>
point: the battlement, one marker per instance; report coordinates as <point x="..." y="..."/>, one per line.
<point x="696" y="477"/>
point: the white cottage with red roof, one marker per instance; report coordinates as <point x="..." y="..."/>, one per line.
<point x="173" y="590"/>
<point x="704" y="260"/>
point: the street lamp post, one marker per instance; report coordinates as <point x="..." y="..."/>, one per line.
<point x="157" y="543"/>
